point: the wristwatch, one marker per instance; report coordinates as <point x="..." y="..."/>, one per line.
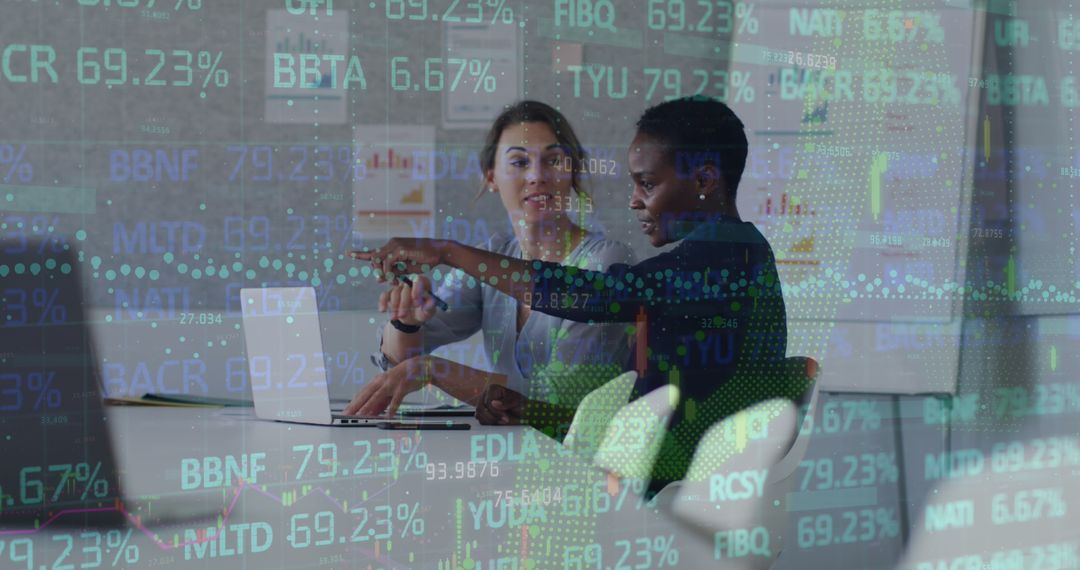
<point x="407" y="329"/>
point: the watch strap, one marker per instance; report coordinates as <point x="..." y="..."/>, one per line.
<point x="407" y="329"/>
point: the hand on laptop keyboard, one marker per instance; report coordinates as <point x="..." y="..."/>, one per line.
<point x="386" y="391"/>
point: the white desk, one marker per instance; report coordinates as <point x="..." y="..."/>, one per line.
<point x="360" y="498"/>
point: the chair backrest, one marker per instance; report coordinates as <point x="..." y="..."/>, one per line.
<point x="988" y="514"/>
<point x="740" y="468"/>
<point x="633" y="438"/>
<point x="804" y="368"/>
<point x="807" y="368"/>
<point x="724" y="487"/>
<point x="594" y="415"/>
<point x="782" y="477"/>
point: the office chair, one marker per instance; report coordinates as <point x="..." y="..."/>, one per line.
<point x="782" y="479"/>
<point x="762" y="438"/>
<point x="804" y="372"/>
<point x="714" y="501"/>
<point x="594" y="415"/>
<point x="633" y="438"/>
<point x="1012" y="512"/>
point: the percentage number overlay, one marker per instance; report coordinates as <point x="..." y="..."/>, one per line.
<point x="486" y="12"/>
<point x="167" y="68"/>
<point x="1028" y="505"/>
<point x="384" y="456"/>
<point x="847" y="527"/>
<point x="85" y="549"/>
<point x="13" y="164"/>
<point x="297" y="163"/>
<point x="727" y="86"/>
<point x="31" y="306"/>
<point x="42" y="395"/>
<point x="19" y="231"/>
<point x="38" y="485"/>
<point x="849" y="471"/>
<point x="439" y="73"/>
<point x="642" y="553"/>
<point x="382" y="522"/>
<point x="190" y="5"/>
<point x="719" y="17"/>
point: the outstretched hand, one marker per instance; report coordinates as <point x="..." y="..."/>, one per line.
<point x="403" y="255"/>
<point x="411" y="304"/>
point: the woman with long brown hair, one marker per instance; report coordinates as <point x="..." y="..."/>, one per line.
<point x="533" y="161"/>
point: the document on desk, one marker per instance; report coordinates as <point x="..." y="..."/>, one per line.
<point x="140" y="401"/>
<point x="188" y="399"/>
<point x="177" y="401"/>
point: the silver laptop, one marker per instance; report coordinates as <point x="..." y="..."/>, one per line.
<point x="284" y="344"/>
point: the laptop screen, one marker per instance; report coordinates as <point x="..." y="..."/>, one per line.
<point x="58" y="463"/>
<point x="284" y="352"/>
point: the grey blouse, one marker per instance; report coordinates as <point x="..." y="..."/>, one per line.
<point x="547" y="346"/>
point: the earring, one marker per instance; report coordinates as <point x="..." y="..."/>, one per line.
<point x="701" y="196"/>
